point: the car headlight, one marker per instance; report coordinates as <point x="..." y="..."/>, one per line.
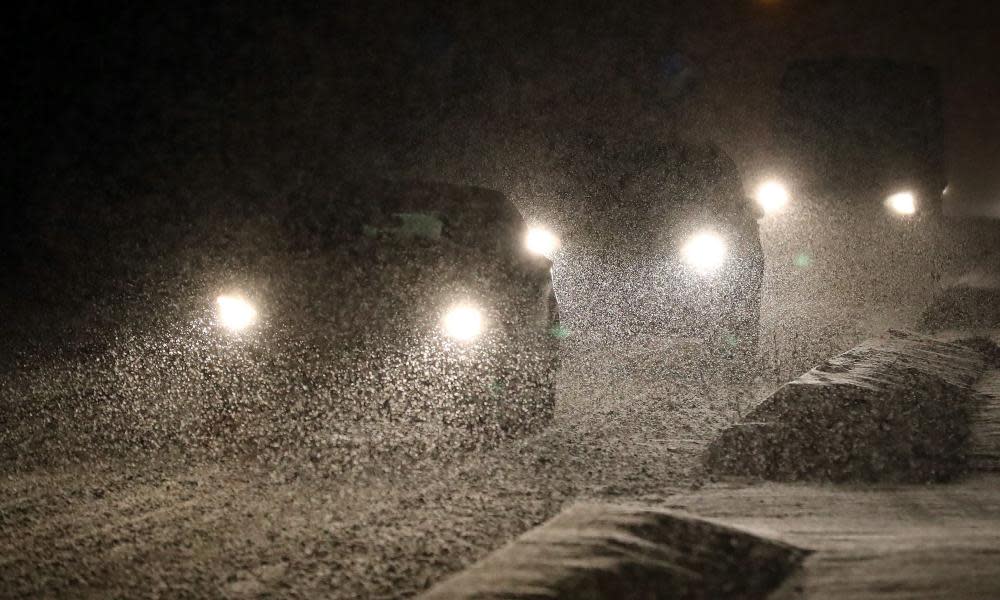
<point x="235" y="313"/>
<point x="772" y="196"/>
<point x="704" y="252"/>
<point x="462" y="323"/>
<point x="902" y="203"/>
<point x="541" y="241"/>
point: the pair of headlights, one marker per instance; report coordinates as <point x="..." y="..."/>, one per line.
<point x="773" y="196"/>
<point x="460" y="322"/>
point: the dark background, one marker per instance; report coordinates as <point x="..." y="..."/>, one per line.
<point x="134" y="110"/>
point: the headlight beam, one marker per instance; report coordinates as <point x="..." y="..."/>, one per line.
<point x="462" y="322"/>
<point x="705" y="252"/>
<point x="235" y="313"/>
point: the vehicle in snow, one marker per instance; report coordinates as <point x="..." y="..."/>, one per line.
<point x="863" y="130"/>
<point x="433" y="287"/>
<point x="330" y="320"/>
<point x="666" y="241"/>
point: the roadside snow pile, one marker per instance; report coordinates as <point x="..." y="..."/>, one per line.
<point x="895" y="408"/>
<point x="968" y="295"/>
<point x="971" y="303"/>
<point x="608" y="551"/>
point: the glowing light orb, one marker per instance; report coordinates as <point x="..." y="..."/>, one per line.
<point x="705" y="252"/>
<point x="903" y="203"/>
<point x="462" y="323"/>
<point x="772" y="196"/>
<point x="235" y="313"/>
<point x="541" y="241"/>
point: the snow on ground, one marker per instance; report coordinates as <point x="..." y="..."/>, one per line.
<point x="633" y="418"/>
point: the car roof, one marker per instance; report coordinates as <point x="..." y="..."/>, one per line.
<point x="471" y="213"/>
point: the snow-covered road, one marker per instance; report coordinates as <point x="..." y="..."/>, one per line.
<point x="633" y="416"/>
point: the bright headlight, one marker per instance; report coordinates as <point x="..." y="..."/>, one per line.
<point x="903" y="203"/>
<point x="462" y="323"/>
<point x="772" y="196"/>
<point x="704" y="251"/>
<point x="541" y="241"/>
<point x="235" y="313"/>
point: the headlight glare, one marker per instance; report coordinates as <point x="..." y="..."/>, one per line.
<point x="235" y="313"/>
<point x="772" y="196"/>
<point x="541" y="241"/>
<point x="462" y="323"/>
<point x="902" y="203"/>
<point x="705" y="252"/>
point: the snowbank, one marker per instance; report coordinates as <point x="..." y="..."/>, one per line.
<point x="599" y="551"/>
<point x="895" y="408"/>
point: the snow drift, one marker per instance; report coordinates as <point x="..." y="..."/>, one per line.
<point x="895" y="408"/>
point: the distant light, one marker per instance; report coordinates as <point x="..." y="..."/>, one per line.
<point x="462" y="323"/>
<point x="903" y="203"/>
<point x="705" y="251"/>
<point x="772" y="196"/>
<point x="541" y="241"/>
<point x="235" y="313"/>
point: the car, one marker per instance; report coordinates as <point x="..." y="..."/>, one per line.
<point x="336" y="320"/>
<point x="438" y="288"/>
<point x="667" y="242"/>
<point x="866" y="131"/>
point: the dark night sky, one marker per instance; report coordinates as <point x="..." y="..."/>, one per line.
<point x="188" y="91"/>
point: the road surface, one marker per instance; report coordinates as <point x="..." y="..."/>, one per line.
<point x="633" y="416"/>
